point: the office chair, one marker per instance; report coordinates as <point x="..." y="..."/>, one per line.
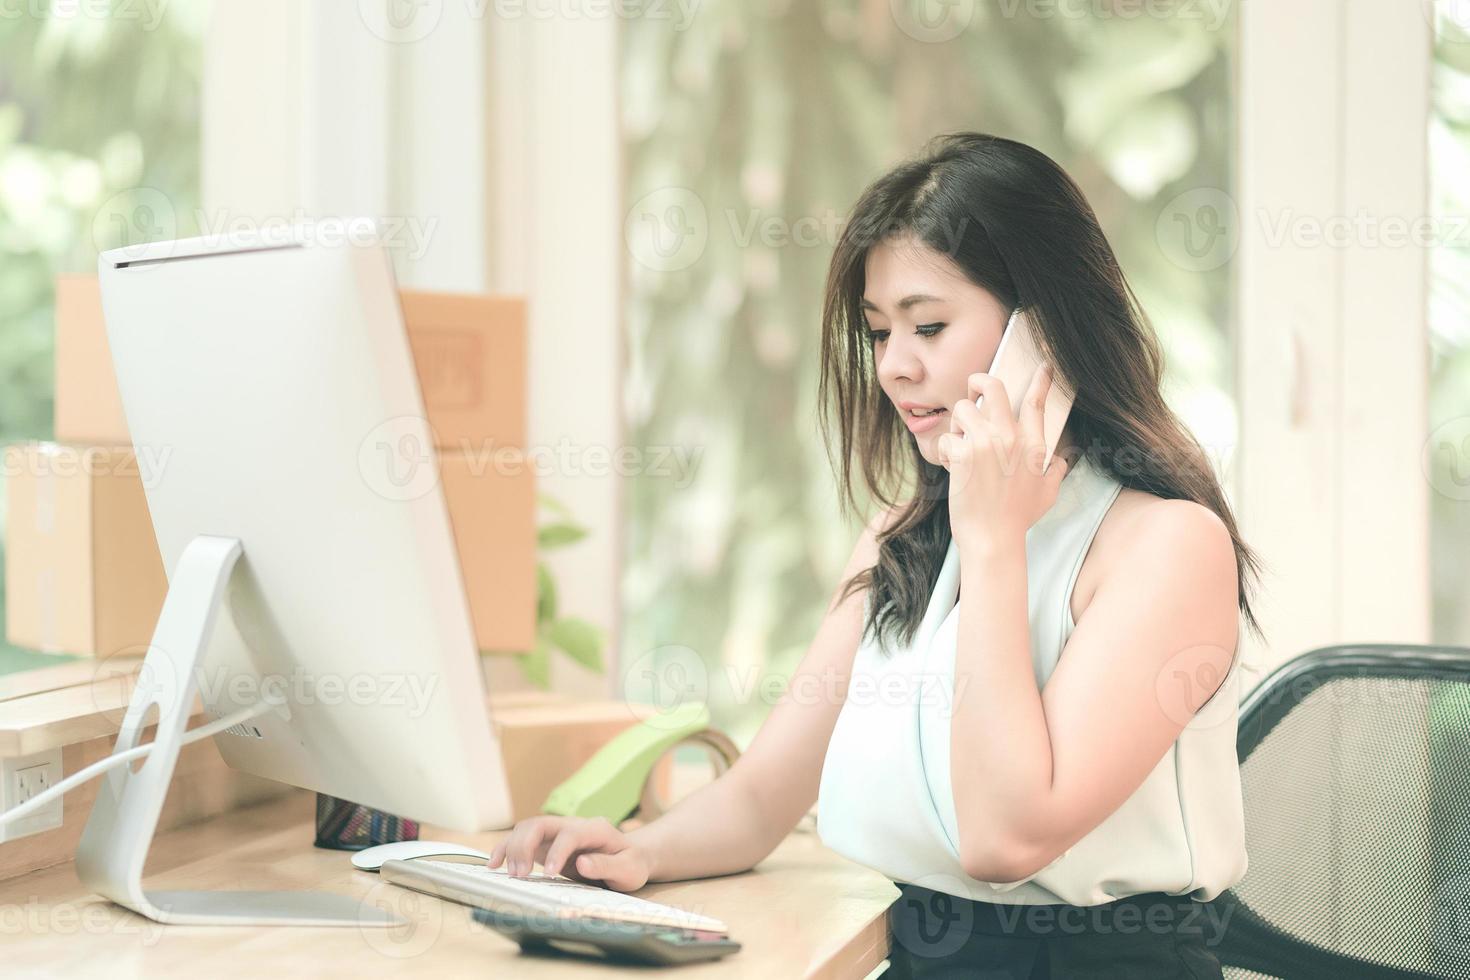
<point x="1355" y="770"/>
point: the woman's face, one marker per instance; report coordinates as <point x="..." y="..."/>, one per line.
<point x="931" y="328"/>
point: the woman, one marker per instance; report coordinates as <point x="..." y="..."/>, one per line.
<point x="1055" y="789"/>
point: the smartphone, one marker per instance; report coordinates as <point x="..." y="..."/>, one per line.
<point x="1016" y="361"/>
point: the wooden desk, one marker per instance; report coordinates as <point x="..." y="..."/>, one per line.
<point x="803" y="912"/>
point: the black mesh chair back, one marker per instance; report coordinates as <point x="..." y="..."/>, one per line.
<point x="1355" y="771"/>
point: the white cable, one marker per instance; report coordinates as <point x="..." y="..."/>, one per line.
<point x="119" y="758"/>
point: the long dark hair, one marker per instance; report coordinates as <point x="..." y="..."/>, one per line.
<point x="1016" y="225"/>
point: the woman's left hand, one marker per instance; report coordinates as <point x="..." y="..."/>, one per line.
<point x="996" y="487"/>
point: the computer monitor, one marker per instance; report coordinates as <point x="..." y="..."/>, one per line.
<point x="293" y="486"/>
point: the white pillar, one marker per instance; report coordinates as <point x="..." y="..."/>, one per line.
<point x="1333" y="109"/>
<point x="557" y="236"/>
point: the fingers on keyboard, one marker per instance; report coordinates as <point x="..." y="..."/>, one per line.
<point x="525" y="845"/>
<point x="572" y="840"/>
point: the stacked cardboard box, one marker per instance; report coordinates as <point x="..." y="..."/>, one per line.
<point x="83" y="571"/>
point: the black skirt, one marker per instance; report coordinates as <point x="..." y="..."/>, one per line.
<point x="1141" y="937"/>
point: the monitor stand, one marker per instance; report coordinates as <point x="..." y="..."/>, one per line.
<point x="122" y="823"/>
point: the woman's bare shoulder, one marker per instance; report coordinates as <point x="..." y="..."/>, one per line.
<point x="1138" y="511"/>
<point x="1135" y="515"/>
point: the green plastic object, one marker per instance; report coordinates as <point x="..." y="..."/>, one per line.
<point x="610" y="784"/>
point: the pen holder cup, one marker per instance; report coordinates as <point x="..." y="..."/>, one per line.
<point x="345" y="826"/>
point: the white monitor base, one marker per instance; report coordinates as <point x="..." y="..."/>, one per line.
<point x="120" y="829"/>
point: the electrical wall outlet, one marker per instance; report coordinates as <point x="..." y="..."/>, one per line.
<point x="22" y="779"/>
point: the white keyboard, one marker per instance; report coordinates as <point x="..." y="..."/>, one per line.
<point x="493" y="888"/>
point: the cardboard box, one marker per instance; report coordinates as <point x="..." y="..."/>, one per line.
<point x="88" y="408"/>
<point x="492" y="506"/>
<point x="82" y="569"/>
<point x="545" y="743"/>
<point x="83" y="573"/>
<point x="469" y="352"/>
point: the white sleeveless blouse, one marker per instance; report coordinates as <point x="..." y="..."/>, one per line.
<point x="885" y="799"/>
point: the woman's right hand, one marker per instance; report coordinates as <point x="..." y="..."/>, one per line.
<point x="581" y="848"/>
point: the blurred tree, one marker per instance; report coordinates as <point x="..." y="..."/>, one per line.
<point x="99" y="146"/>
<point x="1449" y="334"/>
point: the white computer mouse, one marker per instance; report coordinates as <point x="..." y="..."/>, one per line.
<point x="372" y="858"/>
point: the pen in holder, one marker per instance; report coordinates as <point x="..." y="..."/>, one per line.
<point x="345" y="826"/>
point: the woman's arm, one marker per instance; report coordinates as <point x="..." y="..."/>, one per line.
<point x="1033" y="772"/>
<point x="736" y="821"/>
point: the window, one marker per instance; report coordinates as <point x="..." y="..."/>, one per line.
<point x="99" y="137"/>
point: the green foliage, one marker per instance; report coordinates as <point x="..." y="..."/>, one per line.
<point x="580" y="640"/>
<point x="558" y="535"/>
<point x="95" y="111"/>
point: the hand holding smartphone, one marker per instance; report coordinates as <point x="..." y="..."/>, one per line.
<point x="1015" y="364"/>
